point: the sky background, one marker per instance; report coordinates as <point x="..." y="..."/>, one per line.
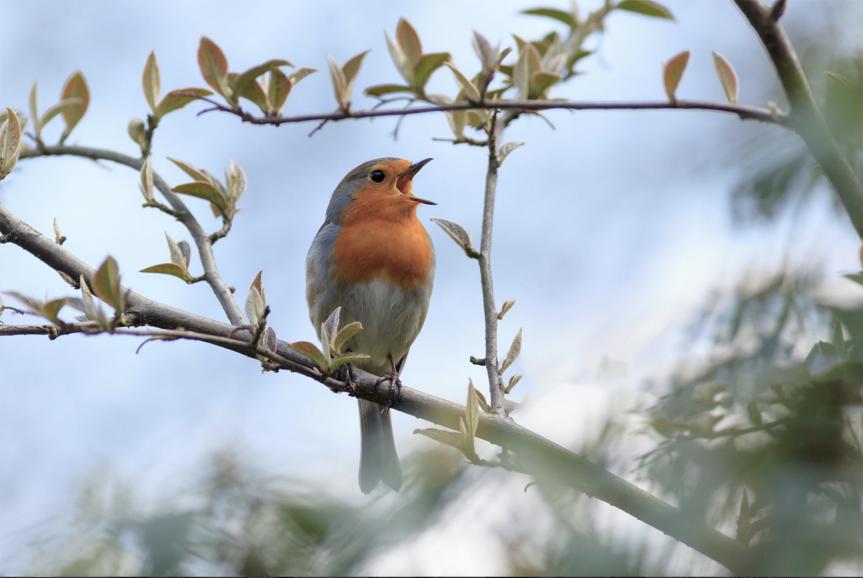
<point x="611" y="230"/>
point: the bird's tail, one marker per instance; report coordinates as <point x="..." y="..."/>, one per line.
<point x="378" y="458"/>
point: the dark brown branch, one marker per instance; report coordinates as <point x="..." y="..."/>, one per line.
<point x="805" y="116"/>
<point x="542" y="457"/>
<point x="742" y="111"/>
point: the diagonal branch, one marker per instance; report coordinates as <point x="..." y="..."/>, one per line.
<point x="182" y="213"/>
<point x="806" y="117"/>
<point x="543" y="458"/>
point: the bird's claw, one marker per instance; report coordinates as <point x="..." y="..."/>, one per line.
<point x="395" y="387"/>
<point x="345" y="374"/>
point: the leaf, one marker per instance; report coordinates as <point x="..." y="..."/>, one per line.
<point x="512" y="354"/>
<point x="352" y="67"/>
<point x="255" y="304"/>
<point x="278" y="89"/>
<point x="194" y="172"/>
<point x="513" y="381"/>
<point x="168" y="269"/>
<point x="340" y="86"/>
<point x="10" y="143"/>
<point x="347" y="358"/>
<point x="300" y="74"/>
<point x="485" y="52"/>
<point x="75" y="87"/>
<point x="404" y="67"/>
<point x="345" y="334"/>
<point x="235" y="177"/>
<point x="214" y="66"/>
<point x="150" y="82"/>
<point x="727" y="77"/>
<point x="137" y="132"/>
<point x="255" y="93"/>
<point x="186" y="250"/>
<point x="507" y="305"/>
<point x="458" y="234"/>
<point x="409" y="42"/>
<point x="92" y="310"/>
<point x="471" y="412"/>
<point x="33" y="105"/>
<point x="106" y="284"/>
<point x="177" y="257"/>
<point x="58" y="109"/>
<point x="177" y="99"/>
<point x="146" y="184"/>
<point x="541" y="81"/>
<point x="382" y="89"/>
<point x="554" y="14"/>
<point x="206" y="191"/>
<point x="51" y="309"/>
<point x="646" y="8"/>
<point x="528" y="62"/>
<point x="447" y="438"/>
<point x="329" y="329"/>
<point x="467" y="86"/>
<point x="672" y="72"/>
<point x="426" y="65"/>
<point x="59" y="237"/>
<point x="311" y="351"/>
<point x="507" y="148"/>
<point x="249" y="77"/>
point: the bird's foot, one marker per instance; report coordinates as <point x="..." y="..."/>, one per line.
<point x="345" y="373"/>
<point x="395" y="387"/>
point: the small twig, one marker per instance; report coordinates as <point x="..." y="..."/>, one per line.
<point x="162" y="207"/>
<point x="222" y="232"/>
<point x="317" y="128"/>
<point x="463" y="140"/>
<point x="477" y="360"/>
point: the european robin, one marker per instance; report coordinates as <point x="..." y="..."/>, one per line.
<point x="373" y="257"/>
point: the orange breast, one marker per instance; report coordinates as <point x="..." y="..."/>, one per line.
<point x="382" y="238"/>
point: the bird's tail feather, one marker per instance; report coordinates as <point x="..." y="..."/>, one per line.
<point x="378" y="458"/>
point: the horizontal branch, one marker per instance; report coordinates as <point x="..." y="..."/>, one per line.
<point x="743" y="111"/>
<point x="546" y="459"/>
<point x="182" y="213"/>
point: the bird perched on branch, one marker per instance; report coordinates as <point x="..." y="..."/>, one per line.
<point x="373" y="258"/>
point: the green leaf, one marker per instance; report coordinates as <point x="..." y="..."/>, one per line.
<point x="150" y="81"/>
<point x="33" y="105"/>
<point x="458" y="234"/>
<point x="206" y="191"/>
<point x="727" y="77"/>
<point x="168" y="269"/>
<point x="311" y="351"/>
<point x="177" y="256"/>
<point x="541" y="81"/>
<point x="404" y="67"/>
<point x="214" y="66"/>
<point x="447" y="438"/>
<point x="672" y="72"/>
<point x="196" y="173"/>
<point x="278" y="89"/>
<point x="352" y="67"/>
<point x="345" y="334"/>
<point x="507" y="305"/>
<point x="471" y="412"/>
<point x="256" y="302"/>
<point x="146" y="184"/>
<point x="177" y="99"/>
<point x="426" y="65"/>
<point x="470" y="91"/>
<point x="106" y="284"/>
<point x="75" y="87"/>
<point x="646" y="8"/>
<point x="10" y="143"/>
<point x="513" y="381"/>
<point x="58" y="109"/>
<point x="235" y="177"/>
<point x="51" y="309"/>
<point x="329" y="330"/>
<point x="92" y="310"/>
<point x="300" y="74"/>
<point x="137" y="132"/>
<point x="409" y="42"/>
<point x="529" y="62"/>
<point x="382" y="89"/>
<point x="347" y="358"/>
<point x="554" y="14"/>
<point x="512" y="354"/>
<point x="247" y="78"/>
<point x="340" y="86"/>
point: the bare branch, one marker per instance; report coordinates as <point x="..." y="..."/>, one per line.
<point x="805" y="117"/>
<point x="179" y="210"/>
<point x="742" y="111"/>
<point x="542" y="458"/>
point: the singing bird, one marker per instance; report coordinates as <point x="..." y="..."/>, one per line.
<point x="373" y="257"/>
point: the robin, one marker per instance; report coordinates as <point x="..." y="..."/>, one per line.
<point x="373" y="257"/>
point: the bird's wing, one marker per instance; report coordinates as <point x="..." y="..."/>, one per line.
<point x="320" y="291"/>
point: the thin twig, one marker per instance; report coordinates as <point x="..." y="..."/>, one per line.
<point x="183" y="214"/>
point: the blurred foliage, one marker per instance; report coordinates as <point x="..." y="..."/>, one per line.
<point x="765" y="435"/>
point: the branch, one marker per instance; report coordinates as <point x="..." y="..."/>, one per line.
<point x="544" y="458"/>
<point x="484" y="261"/>
<point x="742" y="111"/>
<point x="180" y="211"/>
<point x="806" y="117"/>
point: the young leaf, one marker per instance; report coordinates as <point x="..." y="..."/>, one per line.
<point x="146" y="184"/>
<point x="646" y="8"/>
<point x="470" y="91"/>
<point x="168" y="269"/>
<point x="106" y="284"/>
<point x="206" y="191"/>
<point x="528" y="62"/>
<point x="177" y="99"/>
<point x="347" y="358"/>
<point x="10" y="143"/>
<point x="345" y="334"/>
<point x="507" y="148"/>
<point x="405" y="68"/>
<point x="426" y="65"/>
<point x="214" y="66"/>
<point x="278" y="89"/>
<point x="383" y="89"/>
<point x="340" y="86"/>
<point x="245" y="79"/>
<point x="727" y="77"/>
<point x="484" y="51"/>
<point x="75" y="87"/>
<point x="514" y="350"/>
<point x="352" y="67"/>
<point x="409" y="42"/>
<point x="447" y="438"/>
<point x="33" y="105"/>
<point x="59" y="237"/>
<point x="177" y="257"/>
<point x="235" y="177"/>
<point x="513" y="381"/>
<point x="150" y="82"/>
<point x="330" y="328"/>
<point x="553" y="13"/>
<point x="673" y="72"/>
<point x="311" y="351"/>
<point x="471" y="411"/>
<point x="92" y="310"/>
<point x="58" y="108"/>
<point x="507" y="305"/>
<point x="196" y="173"/>
<point x="137" y="132"/>
<point x="300" y="74"/>
<point x="458" y="234"/>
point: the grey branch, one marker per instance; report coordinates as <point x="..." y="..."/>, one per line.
<point x="806" y="117"/>
<point x="180" y="211"/>
<point x="542" y="457"/>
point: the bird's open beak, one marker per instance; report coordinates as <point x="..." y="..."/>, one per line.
<point x="408" y="175"/>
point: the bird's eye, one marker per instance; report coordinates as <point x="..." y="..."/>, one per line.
<point x="377" y="176"/>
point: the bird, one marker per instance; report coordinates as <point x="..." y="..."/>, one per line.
<point x="374" y="258"/>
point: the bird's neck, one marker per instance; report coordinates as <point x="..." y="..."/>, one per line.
<point x="378" y="207"/>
